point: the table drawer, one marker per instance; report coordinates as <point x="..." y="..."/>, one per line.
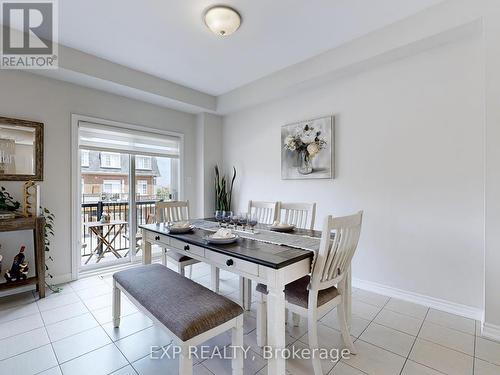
<point x="181" y="245"/>
<point x="157" y="238"/>
<point x="232" y="263"/>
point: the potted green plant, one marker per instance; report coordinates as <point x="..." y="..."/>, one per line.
<point x="223" y="190"/>
<point x="7" y="202"/>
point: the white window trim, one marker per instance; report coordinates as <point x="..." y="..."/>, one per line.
<point x="142" y="184"/>
<point x="113" y="157"/>
<point x="144" y="158"/>
<point x="85" y="158"/>
<point x="113" y="184"/>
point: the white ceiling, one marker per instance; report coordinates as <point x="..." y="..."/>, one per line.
<point x="168" y="39"/>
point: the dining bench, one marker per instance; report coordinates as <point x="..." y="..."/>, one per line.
<point x="190" y="313"/>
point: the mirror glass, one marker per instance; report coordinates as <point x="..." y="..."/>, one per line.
<point x="17" y="150"/>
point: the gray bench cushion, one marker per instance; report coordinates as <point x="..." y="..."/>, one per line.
<point x="186" y="308"/>
<point x="296" y="292"/>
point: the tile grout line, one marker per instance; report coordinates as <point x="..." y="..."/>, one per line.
<point x="375" y="317"/>
<point x="48" y="337"/>
<point x="99" y="325"/>
<point x="95" y="349"/>
<point x="371" y="321"/>
<point x="414" y="341"/>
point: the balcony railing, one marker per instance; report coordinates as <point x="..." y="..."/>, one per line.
<point x="118" y="210"/>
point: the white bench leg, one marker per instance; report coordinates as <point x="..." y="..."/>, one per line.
<point x="237" y="343"/>
<point x="261" y="321"/>
<point x="185" y="361"/>
<point x="116" y="305"/>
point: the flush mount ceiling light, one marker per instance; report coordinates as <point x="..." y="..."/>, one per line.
<point x="222" y="20"/>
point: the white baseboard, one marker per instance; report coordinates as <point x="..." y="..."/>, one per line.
<point x="435" y="303"/>
<point x="59" y="279"/>
<point x="491" y="331"/>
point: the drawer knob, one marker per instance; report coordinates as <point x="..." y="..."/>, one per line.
<point x="186" y="248"/>
<point x="229" y="262"/>
<point x="157" y="238"/>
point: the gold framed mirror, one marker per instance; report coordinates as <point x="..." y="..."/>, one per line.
<point x="21" y="150"/>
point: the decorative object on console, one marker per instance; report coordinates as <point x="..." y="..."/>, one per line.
<point x="7" y="202"/>
<point x="19" y="269"/>
<point x="21" y="150"/>
<point x="31" y="190"/>
<point x="307" y="149"/>
<point x="37" y="226"/>
<point x="223" y="190"/>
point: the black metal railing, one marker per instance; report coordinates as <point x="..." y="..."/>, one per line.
<point x="118" y="210"/>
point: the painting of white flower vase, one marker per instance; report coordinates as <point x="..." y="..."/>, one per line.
<point x="308" y="149"/>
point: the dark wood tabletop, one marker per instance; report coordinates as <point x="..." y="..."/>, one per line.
<point x="258" y="252"/>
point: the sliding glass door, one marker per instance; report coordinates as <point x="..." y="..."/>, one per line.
<point x="156" y="179"/>
<point x="124" y="174"/>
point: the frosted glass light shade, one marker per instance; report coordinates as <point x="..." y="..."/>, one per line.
<point x="222" y="20"/>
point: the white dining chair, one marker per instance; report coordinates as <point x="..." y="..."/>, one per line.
<point x="313" y="296"/>
<point x="266" y="212"/>
<point x="302" y="215"/>
<point x="175" y="211"/>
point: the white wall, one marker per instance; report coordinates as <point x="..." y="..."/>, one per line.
<point x="409" y="152"/>
<point x="30" y="97"/>
<point x="209" y="146"/>
<point x="492" y="186"/>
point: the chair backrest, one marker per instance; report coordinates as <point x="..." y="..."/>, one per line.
<point x="172" y="211"/>
<point x="266" y="211"/>
<point x="334" y="257"/>
<point x="302" y="215"/>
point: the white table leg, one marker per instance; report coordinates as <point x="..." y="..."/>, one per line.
<point x="245" y="293"/>
<point x="276" y="330"/>
<point x="214" y="278"/>
<point x="146" y="252"/>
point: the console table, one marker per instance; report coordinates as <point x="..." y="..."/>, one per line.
<point x="37" y="225"/>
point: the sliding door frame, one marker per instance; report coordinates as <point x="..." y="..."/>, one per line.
<point x="75" y="208"/>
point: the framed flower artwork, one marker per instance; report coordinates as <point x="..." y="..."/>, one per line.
<point x="307" y="149"/>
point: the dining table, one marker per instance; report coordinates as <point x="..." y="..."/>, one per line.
<point x="264" y="256"/>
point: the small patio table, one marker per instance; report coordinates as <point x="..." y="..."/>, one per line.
<point x="97" y="228"/>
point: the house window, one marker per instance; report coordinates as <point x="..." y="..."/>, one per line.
<point x="110" y="160"/>
<point x="85" y="159"/>
<point x="142" y="187"/>
<point x="143" y="162"/>
<point x="112" y="186"/>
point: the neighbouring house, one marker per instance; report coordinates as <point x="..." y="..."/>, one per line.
<point x="105" y="175"/>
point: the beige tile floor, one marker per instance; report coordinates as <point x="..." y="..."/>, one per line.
<point x="71" y="333"/>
